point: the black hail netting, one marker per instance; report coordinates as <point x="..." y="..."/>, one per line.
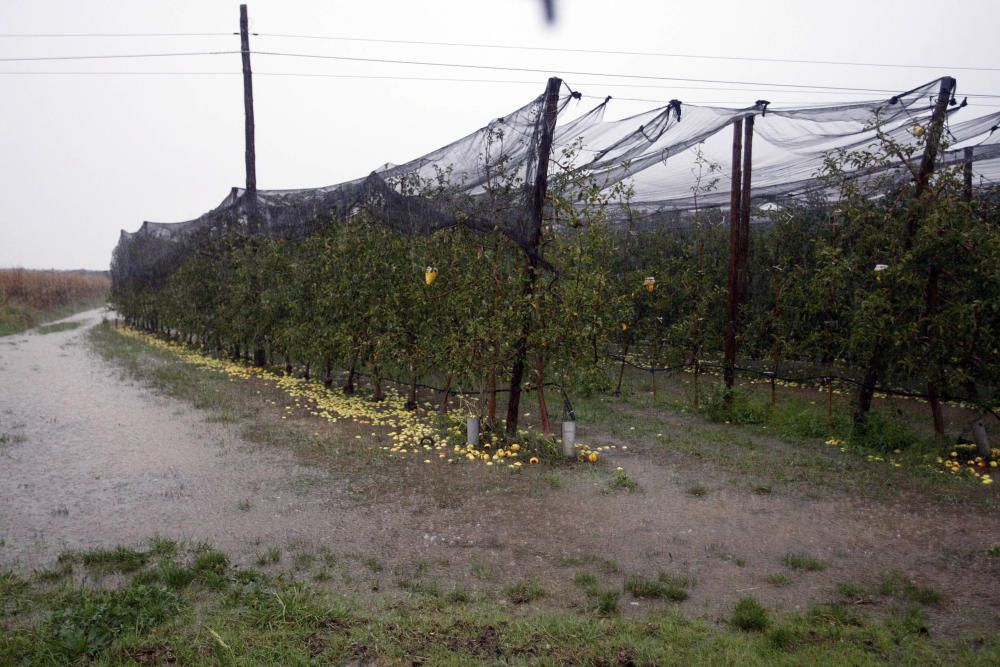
<point x="486" y="180"/>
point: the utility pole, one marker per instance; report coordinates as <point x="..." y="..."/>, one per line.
<point x="251" y="155"/>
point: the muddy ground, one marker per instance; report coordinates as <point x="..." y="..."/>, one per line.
<point x="95" y="458"/>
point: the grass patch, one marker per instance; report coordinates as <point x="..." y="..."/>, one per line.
<point x="373" y="564"/>
<point x="605" y="602"/>
<point x="750" y="616"/>
<point x="524" y="591"/>
<point x="801" y="561"/>
<point x="664" y="586"/>
<point x="778" y="579"/>
<point x="623" y="482"/>
<point x="120" y="560"/>
<point x="87" y="621"/>
<point x="698" y="491"/>
<point x="259" y="619"/>
<point x="17" y="317"/>
<point x="895" y="584"/>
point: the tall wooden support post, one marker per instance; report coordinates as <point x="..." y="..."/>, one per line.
<point x="876" y="364"/>
<point x="947" y="90"/>
<point x="735" y="219"/>
<point x="253" y="219"/>
<point x="251" y="156"/>
<point x="742" y="268"/>
<point x="967" y="156"/>
<point x="550" y="110"/>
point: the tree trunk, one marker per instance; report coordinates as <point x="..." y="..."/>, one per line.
<point x="411" y="398"/>
<point x="378" y="395"/>
<point x="621" y="371"/>
<point x="443" y="408"/>
<point x="327" y="373"/>
<point x="349" y="385"/>
<point x="866" y="391"/>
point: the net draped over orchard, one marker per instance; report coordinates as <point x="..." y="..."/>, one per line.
<point x="651" y="151"/>
<point x="619" y="196"/>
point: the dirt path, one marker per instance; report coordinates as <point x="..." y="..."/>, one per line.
<point x="93" y="459"/>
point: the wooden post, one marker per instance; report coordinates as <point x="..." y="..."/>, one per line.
<point x="550" y="110"/>
<point x="253" y="220"/>
<point x="732" y="303"/>
<point x="251" y="156"/>
<point x="876" y="363"/>
<point x="929" y="157"/>
<point x="739" y="242"/>
<point x="967" y="172"/>
<point x="934" y="385"/>
<point x="742" y="273"/>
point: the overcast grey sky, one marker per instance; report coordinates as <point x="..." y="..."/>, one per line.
<point x="88" y="149"/>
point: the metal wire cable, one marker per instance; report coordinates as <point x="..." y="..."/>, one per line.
<point x="512" y="47"/>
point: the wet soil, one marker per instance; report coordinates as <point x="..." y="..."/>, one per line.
<point x="94" y="458"/>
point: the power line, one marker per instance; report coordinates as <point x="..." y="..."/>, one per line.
<point x="438" y="79"/>
<point x="115" y="34"/>
<point x="120" y="56"/>
<point x="512" y="47"/>
<point x="437" y="64"/>
<point x="533" y="70"/>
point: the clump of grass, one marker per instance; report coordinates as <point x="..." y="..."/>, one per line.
<point x="697" y="490"/>
<point x="54" y="574"/>
<point x="160" y="546"/>
<point x="373" y="564"/>
<point x="176" y="576"/>
<point x="664" y="586"/>
<point x="778" y="579"/>
<point x="210" y="560"/>
<point x="750" y="616"/>
<point x="458" y="596"/>
<point x="585" y="580"/>
<point x="118" y="560"/>
<point x="303" y="560"/>
<point x="622" y="481"/>
<point x="552" y="480"/>
<point x="761" y="489"/>
<point x="783" y="637"/>
<point x="605" y="601"/>
<point x="526" y="590"/>
<point x="801" y="561"/>
<point x="827" y="615"/>
<point x="88" y="621"/>
<point x="848" y="590"/>
<point x="894" y="584"/>
<point x="482" y="571"/>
